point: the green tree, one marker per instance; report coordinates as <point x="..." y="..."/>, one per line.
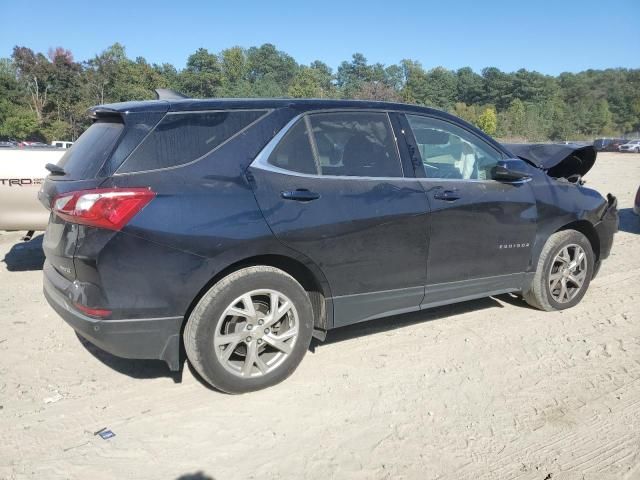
<point x="21" y="124"/>
<point x="516" y="116"/>
<point x="470" y="86"/>
<point x="498" y="88"/>
<point x="466" y="112"/>
<point x="307" y="83"/>
<point x="203" y="75"/>
<point x="34" y="72"/>
<point x="270" y="70"/>
<point x="488" y="121"/>
<point x="351" y="75"/>
<point x="56" y="90"/>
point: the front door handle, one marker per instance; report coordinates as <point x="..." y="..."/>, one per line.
<point x="447" y="195"/>
<point x="301" y="195"/>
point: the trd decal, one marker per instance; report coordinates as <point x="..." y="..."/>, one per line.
<point x="21" y="182"/>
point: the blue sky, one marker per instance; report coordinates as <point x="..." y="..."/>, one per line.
<point x="548" y="36"/>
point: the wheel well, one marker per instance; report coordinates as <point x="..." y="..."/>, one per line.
<point x="588" y="230"/>
<point x="295" y="268"/>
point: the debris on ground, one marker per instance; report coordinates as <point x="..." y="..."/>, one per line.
<point x="105" y="434"/>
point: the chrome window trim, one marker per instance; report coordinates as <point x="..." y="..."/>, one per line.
<point x="262" y="159"/>
<point x="173" y="167"/>
<point x="475" y="180"/>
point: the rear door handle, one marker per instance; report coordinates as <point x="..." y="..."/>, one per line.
<point x="301" y="195"/>
<point x="447" y="195"/>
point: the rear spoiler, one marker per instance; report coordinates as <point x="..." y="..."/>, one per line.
<point x="168" y="94"/>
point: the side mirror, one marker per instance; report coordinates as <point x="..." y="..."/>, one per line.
<point x="511" y="169"/>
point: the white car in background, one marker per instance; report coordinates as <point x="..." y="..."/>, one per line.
<point x="22" y="171"/>
<point x="630" y="146"/>
<point x="61" y="144"/>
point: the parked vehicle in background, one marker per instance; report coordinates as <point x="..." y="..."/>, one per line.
<point x="61" y="144"/>
<point x="34" y="145"/>
<point x="22" y="171"/>
<point x="8" y="144"/>
<point x="608" y="144"/>
<point x="630" y="147"/>
<point x="251" y="225"/>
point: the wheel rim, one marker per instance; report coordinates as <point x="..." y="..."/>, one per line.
<point x="256" y="333"/>
<point x="568" y="273"/>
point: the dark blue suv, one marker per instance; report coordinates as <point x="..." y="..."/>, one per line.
<point x="242" y="228"/>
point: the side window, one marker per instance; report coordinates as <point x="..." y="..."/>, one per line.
<point x="448" y="151"/>
<point x="181" y="138"/>
<point x="294" y="151"/>
<point x="340" y="144"/>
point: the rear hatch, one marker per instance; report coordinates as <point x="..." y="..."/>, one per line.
<point x="93" y="157"/>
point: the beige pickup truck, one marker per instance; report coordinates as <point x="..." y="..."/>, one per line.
<point x="22" y="171"/>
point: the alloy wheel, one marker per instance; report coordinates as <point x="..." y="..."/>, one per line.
<point x="568" y="273"/>
<point x="256" y="333"/>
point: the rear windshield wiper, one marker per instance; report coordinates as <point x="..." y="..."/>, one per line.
<point x="55" y="169"/>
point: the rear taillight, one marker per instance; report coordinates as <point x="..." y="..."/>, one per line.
<point x="109" y="208"/>
<point x="93" y="312"/>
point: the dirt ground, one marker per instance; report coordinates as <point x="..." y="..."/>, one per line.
<point x="488" y="389"/>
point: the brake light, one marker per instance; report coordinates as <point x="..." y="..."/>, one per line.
<point x="109" y="208"/>
<point x="93" y="312"/>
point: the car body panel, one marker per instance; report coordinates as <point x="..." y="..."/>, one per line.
<point x="559" y="160"/>
<point x="356" y="229"/>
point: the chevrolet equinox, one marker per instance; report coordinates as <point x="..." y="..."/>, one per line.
<point x="243" y="228"/>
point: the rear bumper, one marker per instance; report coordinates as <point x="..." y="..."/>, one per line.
<point x="147" y="338"/>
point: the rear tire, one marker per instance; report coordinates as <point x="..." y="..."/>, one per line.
<point x="564" y="271"/>
<point x="236" y="342"/>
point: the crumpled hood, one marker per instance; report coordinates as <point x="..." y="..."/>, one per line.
<point x="558" y="160"/>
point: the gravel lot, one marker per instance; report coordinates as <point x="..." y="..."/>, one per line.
<point x="488" y="389"/>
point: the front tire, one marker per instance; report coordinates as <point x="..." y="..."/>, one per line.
<point x="250" y="330"/>
<point x="564" y="271"/>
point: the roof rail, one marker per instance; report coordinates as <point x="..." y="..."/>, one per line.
<point x="168" y="94"/>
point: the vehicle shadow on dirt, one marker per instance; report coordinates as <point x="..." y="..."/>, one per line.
<point x="195" y="476"/>
<point x="407" y="319"/>
<point x="629" y="221"/>
<point x="148" y="369"/>
<point x="134" y="368"/>
<point x="25" y="256"/>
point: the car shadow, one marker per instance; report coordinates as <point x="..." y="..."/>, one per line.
<point x="195" y="476"/>
<point x="134" y="368"/>
<point x="25" y="256"/>
<point x="387" y="324"/>
<point x="149" y="369"/>
<point x="629" y="221"/>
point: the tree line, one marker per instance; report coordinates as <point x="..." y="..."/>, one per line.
<point x="45" y="97"/>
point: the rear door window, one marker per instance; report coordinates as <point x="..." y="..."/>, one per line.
<point x="360" y="144"/>
<point x="181" y="138"/>
<point x="91" y="150"/>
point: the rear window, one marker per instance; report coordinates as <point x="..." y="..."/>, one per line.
<point x="181" y="138"/>
<point x="91" y="150"/>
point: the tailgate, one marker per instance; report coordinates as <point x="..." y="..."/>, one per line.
<point x="60" y="238"/>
